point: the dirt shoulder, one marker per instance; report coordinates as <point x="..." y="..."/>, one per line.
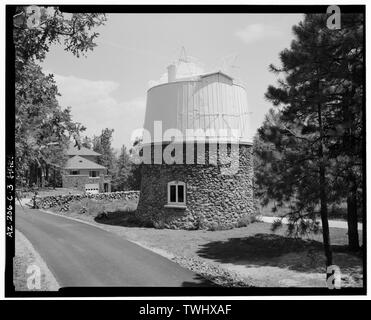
<point x="30" y="273"/>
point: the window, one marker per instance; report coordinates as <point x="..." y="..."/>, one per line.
<point x="75" y="172"/>
<point x="176" y="193"/>
<point x="93" y="173"/>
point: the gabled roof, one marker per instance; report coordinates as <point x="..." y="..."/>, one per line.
<point x="78" y="162"/>
<point x="75" y="151"/>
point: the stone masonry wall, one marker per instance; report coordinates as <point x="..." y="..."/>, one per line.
<point x="60" y="200"/>
<point x="212" y="199"/>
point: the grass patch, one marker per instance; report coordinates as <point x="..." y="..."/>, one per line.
<point x="93" y="207"/>
<point x="114" y="212"/>
<point x="246" y="220"/>
<point x="338" y="212"/>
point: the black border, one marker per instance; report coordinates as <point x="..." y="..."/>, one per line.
<point x="9" y="150"/>
<point x="162" y="291"/>
<point x="240" y="309"/>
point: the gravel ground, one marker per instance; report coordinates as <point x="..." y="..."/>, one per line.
<point x="26" y="256"/>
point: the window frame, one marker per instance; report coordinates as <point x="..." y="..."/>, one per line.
<point x="96" y="174"/>
<point x="176" y="183"/>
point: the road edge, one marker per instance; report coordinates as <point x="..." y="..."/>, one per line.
<point x="48" y="280"/>
<point x="220" y="275"/>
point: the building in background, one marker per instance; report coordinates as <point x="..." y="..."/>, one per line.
<point x="192" y="196"/>
<point x="81" y="171"/>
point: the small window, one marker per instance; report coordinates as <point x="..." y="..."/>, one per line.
<point x="173" y="193"/>
<point x="180" y="193"/>
<point x="93" y="174"/>
<point x="75" y="172"/>
<point x="176" y="193"/>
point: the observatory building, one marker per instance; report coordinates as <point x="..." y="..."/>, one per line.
<point x="197" y="172"/>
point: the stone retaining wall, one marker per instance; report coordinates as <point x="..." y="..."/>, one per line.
<point x="53" y="201"/>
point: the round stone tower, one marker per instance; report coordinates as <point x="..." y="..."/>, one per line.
<point x="197" y="161"/>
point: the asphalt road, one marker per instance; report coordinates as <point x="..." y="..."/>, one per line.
<point x="83" y="255"/>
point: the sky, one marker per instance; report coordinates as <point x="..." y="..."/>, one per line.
<point x="107" y="89"/>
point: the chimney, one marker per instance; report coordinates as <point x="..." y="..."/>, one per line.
<point x="171" y="73"/>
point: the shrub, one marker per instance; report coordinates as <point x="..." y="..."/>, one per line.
<point x="245" y="220"/>
<point x="83" y="210"/>
<point x="159" y="224"/>
<point x="214" y="226"/>
<point x="254" y="218"/>
<point x="102" y="215"/>
<point x="139" y="222"/>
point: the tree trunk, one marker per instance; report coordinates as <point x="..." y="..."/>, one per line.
<point x="353" y="239"/>
<point x="323" y="194"/>
<point x="324" y="217"/>
<point x="47" y="173"/>
<point x="41" y="177"/>
<point x="33" y="175"/>
<point x="54" y="179"/>
<point x="350" y="150"/>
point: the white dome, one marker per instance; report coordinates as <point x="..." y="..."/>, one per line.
<point x="195" y="101"/>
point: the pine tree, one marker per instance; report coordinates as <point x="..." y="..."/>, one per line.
<point x="123" y="171"/>
<point x="87" y="142"/>
<point x="298" y="147"/>
<point x="103" y="145"/>
<point x="347" y="148"/>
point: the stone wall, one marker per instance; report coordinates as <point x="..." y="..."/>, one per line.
<point x="53" y="201"/>
<point x="213" y="200"/>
